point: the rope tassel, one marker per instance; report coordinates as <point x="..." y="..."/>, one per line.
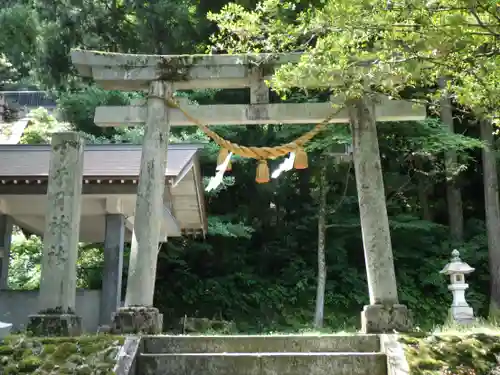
<point x="300" y="161"/>
<point x="262" y="172"/>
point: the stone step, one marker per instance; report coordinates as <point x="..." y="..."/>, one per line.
<point x="263" y="364"/>
<point x="260" y="343"/>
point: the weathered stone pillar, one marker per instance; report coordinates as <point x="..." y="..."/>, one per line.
<point x="384" y="314"/>
<point x="138" y="315"/>
<point x="5" y="241"/>
<point x="113" y="264"/>
<point x="60" y="247"/>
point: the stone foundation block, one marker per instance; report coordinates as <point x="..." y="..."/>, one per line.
<point x="137" y="320"/>
<point x="202" y="325"/>
<point x="385" y="319"/>
<point x="55" y="325"/>
<point x="263" y="364"/>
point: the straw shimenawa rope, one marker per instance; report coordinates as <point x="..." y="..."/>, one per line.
<point x="259" y="153"/>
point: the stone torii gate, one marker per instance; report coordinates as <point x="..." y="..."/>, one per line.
<point x="161" y="76"/>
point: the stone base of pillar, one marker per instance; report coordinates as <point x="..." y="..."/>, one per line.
<point x="54" y="325"/>
<point x="137" y="320"/>
<point x="385" y="319"/>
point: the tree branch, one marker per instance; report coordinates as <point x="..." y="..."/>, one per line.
<point x="482" y="24"/>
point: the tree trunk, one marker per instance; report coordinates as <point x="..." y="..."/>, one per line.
<point x="453" y="193"/>
<point x="320" y="291"/>
<point x="423" y="183"/>
<point x="492" y="213"/>
<point x="423" y="197"/>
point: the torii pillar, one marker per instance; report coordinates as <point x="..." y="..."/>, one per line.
<point x="384" y="313"/>
<point x="138" y="314"/>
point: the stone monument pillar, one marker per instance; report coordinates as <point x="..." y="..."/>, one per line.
<point x="56" y="316"/>
<point x="460" y="311"/>
<point x="138" y="315"/>
<point x="384" y="313"/>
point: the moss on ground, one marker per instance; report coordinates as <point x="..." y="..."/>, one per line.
<point x="84" y="355"/>
<point x="453" y="354"/>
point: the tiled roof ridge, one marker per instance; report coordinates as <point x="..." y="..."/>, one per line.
<point x="102" y="146"/>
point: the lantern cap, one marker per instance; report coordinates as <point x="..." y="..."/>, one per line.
<point x="456" y="265"/>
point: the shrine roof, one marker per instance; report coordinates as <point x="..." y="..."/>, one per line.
<point x="110" y="160"/>
<point x="110" y="180"/>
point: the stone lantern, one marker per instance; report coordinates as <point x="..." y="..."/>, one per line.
<point x="460" y="310"/>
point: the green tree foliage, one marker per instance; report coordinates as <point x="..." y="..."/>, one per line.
<point x="26" y="255"/>
<point x="44" y="31"/>
<point x="19" y="37"/>
<point x="8" y="73"/>
<point x="78" y="108"/>
<point x="25" y="259"/>
<point x="42" y="124"/>
<point x="395" y="44"/>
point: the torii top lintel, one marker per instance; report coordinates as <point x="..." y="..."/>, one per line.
<point x="129" y="72"/>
